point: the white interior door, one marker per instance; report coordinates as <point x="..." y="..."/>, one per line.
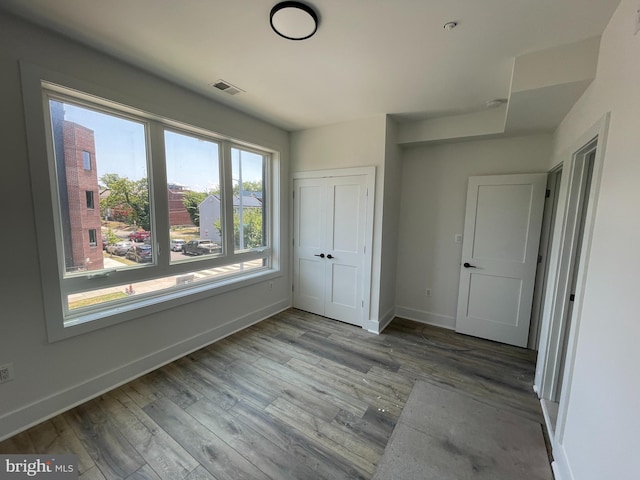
<point x="329" y="246"/>
<point x="346" y="215"/>
<point x="499" y="256"/>
<point x="309" y="243"/>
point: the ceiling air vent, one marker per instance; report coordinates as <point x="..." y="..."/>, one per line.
<point x="226" y="87"/>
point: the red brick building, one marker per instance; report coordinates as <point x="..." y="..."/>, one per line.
<point x="83" y="196"/>
<point x="79" y="194"/>
<point x="178" y="215"/>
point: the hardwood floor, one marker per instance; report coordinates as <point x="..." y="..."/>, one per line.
<point x="295" y="397"/>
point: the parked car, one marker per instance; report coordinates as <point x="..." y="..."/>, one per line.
<point x="139" y="236"/>
<point x="139" y="253"/>
<point x="176" y="244"/>
<point x="119" y="248"/>
<point x="203" y="246"/>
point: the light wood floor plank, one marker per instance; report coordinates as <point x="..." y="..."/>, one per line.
<point x="93" y="473"/>
<point x="267" y="456"/>
<point x="56" y="435"/>
<point x="314" y="386"/>
<point x="109" y="449"/>
<point x="144" y="473"/>
<point x="200" y="473"/>
<point x="211" y="451"/>
<point x="299" y="395"/>
<point x="343" y="444"/>
<point x="162" y="453"/>
<point x="323" y="461"/>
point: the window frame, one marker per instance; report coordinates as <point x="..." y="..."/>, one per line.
<point x="39" y="86"/>
<point x="93" y="242"/>
<point x="86" y="161"/>
<point x="91" y="199"/>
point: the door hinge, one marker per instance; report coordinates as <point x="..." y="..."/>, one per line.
<point x="539" y="258"/>
<point x="292" y="287"/>
<point x="572" y="297"/>
<point x="547" y="193"/>
<point x="362" y="303"/>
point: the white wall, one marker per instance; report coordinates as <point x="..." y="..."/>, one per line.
<point x="601" y="435"/>
<point x="434" y="191"/>
<point x="52" y="377"/>
<point x="358" y="143"/>
<point x="390" y="224"/>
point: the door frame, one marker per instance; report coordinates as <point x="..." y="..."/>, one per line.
<point x="559" y="277"/>
<point x="370" y="175"/>
<point x="546" y="239"/>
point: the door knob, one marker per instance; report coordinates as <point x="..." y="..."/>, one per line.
<point x="320" y="255"/>
<point x="330" y="256"/>
<point x="468" y="265"/>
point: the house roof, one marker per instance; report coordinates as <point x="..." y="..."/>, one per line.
<point x="247" y="201"/>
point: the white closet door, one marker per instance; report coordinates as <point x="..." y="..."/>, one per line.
<point x="330" y="216"/>
<point x="345" y="234"/>
<point x="309" y="238"/>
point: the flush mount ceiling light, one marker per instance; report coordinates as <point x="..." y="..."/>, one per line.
<point x="294" y="20"/>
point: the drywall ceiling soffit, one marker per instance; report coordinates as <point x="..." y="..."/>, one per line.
<point x="544" y="86"/>
<point x="367" y="58"/>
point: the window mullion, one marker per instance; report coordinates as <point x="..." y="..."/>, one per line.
<point x="227" y="195"/>
<point x="158" y="197"/>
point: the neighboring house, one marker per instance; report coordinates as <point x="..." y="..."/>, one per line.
<point x="178" y="215"/>
<point x="210" y="213"/>
<point x="79" y="192"/>
<point x="209" y="210"/>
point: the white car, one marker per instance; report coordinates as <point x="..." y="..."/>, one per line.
<point x="119" y="248"/>
<point x="176" y="244"/>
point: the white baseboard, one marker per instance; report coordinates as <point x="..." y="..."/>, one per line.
<point x="377" y="327"/>
<point x="25" y="417"/>
<point x="560" y="465"/>
<point x="429" y="318"/>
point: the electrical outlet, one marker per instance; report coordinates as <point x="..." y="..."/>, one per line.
<point x="457" y="238"/>
<point x="427" y="292"/>
<point x="6" y="372"/>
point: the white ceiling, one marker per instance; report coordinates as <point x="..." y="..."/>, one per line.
<point x="368" y="56"/>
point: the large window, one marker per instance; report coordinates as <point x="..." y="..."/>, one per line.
<point x="177" y="210"/>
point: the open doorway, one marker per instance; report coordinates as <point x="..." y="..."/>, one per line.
<point x="546" y="242"/>
<point x="563" y="294"/>
<point x="578" y="202"/>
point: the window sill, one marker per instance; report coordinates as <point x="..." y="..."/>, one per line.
<point x="91" y="321"/>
